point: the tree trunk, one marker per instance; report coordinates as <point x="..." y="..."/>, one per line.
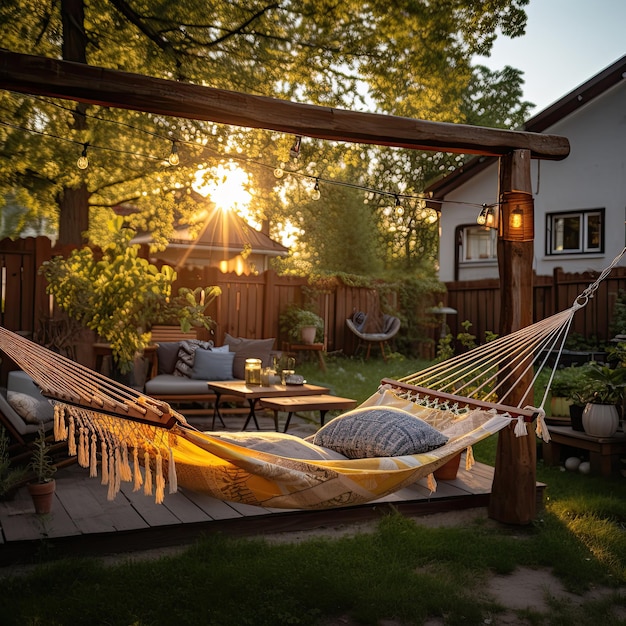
<point x="513" y="494"/>
<point x="74" y="203"/>
<point x="73" y="215"/>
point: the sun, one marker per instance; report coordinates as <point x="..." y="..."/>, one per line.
<point x="225" y="185"/>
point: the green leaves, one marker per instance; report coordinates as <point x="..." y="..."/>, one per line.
<point x="121" y="295"/>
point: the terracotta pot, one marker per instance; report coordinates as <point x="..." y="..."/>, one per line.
<point x="42" y="495"/>
<point x="308" y="334"/>
<point x="449" y="470"/>
<point x="600" y="420"/>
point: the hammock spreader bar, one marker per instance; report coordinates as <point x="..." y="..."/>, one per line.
<point x="450" y="399"/>
<point x="66" y="381"/>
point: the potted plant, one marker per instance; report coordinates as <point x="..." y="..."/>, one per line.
<point x="570" y="393"/>
<point x="10" y="477"/>
<point x="41" y="465"/>
<point x="121" y="295"/>
<point x="601" y="416"/>
<point x="302" y="325"/>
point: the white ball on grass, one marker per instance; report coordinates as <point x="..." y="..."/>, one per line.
<point x="572" y="463"/>
<point x="584" y="467"/>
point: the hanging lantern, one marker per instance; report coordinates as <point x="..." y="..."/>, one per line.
<point x="517" y="223"/>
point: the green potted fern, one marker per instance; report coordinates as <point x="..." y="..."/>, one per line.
<point x="41" y="465"/>
<point x="302" y="325"/>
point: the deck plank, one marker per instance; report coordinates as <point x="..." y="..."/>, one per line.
<point x="215" y="509"/>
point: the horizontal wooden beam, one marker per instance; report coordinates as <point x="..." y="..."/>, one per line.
<point x="113" y="88"/>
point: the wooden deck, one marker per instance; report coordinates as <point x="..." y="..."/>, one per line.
<point x="84" y="522"/>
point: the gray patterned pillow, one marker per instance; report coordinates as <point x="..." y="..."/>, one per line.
<point x="186" y="354"/>
<point x="378" y="432"/>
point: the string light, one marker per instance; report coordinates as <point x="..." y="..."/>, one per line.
<point x="488" y="216"/>
<point x="481" y="220"/>
<point x="279" y="172"/>
<point x="83" y="161"/>
<point x="316" y="194"/>
<point x="399" y="208"/>
<point x="173" y="157"/>
<point x="294" y="153"/>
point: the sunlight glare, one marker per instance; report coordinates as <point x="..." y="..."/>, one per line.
<point x="226" y="187"/>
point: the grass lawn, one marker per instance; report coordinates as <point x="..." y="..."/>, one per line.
<point x="403" y="571"/>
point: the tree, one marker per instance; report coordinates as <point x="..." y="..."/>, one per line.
<point x="120" y="295"/>
<point x="405" y="58"/>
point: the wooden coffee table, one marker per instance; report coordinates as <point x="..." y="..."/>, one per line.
<point x="322" y="403"/>
<point x="254" y="393"/>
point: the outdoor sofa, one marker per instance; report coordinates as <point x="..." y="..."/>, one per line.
<point x="181" y="368"/>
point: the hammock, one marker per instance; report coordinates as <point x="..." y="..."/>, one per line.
<point x="121" y="429"/>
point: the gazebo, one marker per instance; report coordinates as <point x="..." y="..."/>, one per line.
<point x="224" y="240"/>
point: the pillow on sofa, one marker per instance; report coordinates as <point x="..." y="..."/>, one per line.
<point x="212" y="365"/>
<point x="167" y="355"/>
<point x="248" y="349"/>
<point x="378" y="432"/>
<point x="186" y="353"/>
<point x="31" y="410"/>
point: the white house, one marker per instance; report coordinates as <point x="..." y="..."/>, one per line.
<point x="580" y="202"/>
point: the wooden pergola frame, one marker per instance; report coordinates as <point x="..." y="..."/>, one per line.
<point x="513" y="498"/>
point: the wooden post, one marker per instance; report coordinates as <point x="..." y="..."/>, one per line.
<point x="513" y="495"/>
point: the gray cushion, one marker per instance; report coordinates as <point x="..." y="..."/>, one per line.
<point x="211" y="365"/>
<point x="247" y="349"/>
<point x="186" y="353"/>
<point x="22" y="427"/>
<point x="378" y="432"/>
<point x="167" y="355"/>
<point x="30" y="409"/>
<point x="168" y="384"/>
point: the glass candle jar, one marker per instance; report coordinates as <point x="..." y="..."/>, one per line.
<point x="252" y="372"/>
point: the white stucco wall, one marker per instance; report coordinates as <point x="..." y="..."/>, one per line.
<point x="593" y="176"/>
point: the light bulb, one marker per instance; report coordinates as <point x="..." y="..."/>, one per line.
<point x="316" y="194"/>
<point x="399" y="209"/>
<point x="516" y="218"/>
<point x="294" y="153"/>
<point x="83" y="161"/>
<point x="481" y="220"/>
<point x="173" y="157"/>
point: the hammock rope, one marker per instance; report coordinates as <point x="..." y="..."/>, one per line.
<point x="123" y="430"/>
<point x="494" y="370"/>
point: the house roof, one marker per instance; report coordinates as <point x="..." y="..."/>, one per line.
<point x="223" y="231"/>
<point x="575" y="99"/>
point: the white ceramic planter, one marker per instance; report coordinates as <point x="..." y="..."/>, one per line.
<point x="600" y="420"/>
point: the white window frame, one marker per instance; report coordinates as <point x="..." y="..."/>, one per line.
<point x="553" y="245"/>
<point x="476" y="239"/>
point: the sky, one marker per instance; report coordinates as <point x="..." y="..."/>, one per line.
<point x="567" y="42"/>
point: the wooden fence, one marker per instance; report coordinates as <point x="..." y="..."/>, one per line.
<point x="479" y="302"/>
<point x="250" y="306"/>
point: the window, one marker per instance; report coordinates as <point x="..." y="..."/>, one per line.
<point x="577" y="232"/>
<point x="477" y="244"/>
